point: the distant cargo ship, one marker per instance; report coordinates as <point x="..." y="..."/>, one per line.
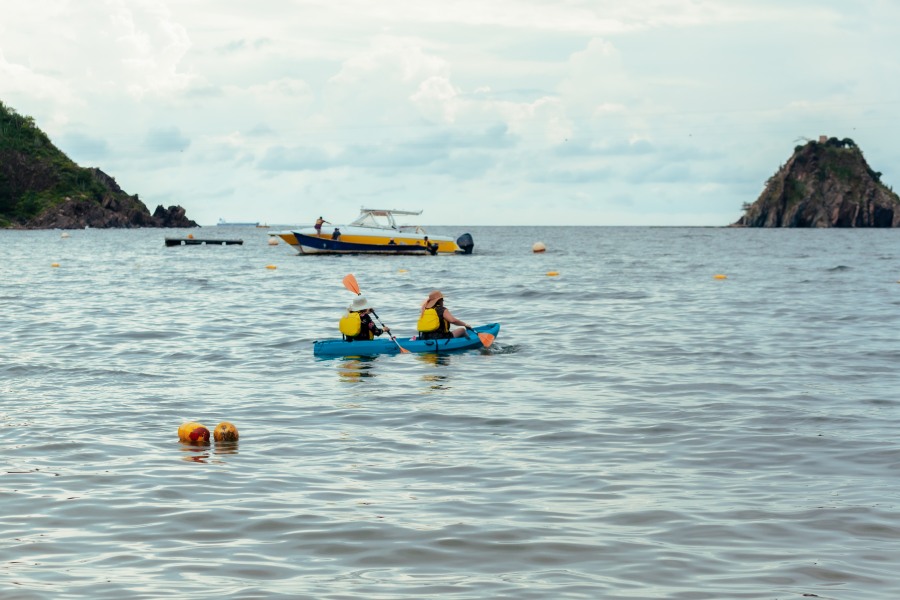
<point x="224" y="223"/>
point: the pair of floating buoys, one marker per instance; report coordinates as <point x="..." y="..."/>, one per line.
<point x="195" y="433"/>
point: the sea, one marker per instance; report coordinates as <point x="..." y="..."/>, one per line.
<point x="666" y="412"/>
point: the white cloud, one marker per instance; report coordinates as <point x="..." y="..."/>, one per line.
<point x="150" y="46"/>
<point x="664" y="112"/>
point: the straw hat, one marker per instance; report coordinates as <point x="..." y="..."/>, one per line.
<point x="432" y="299"/>
<point x="359" y="303"/>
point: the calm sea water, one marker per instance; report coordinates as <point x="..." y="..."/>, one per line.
<point x="640" y="429"/>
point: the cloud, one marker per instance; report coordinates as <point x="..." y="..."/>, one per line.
<point x="166" y="140"/>
<point x="150" y="44"/>
<point x="616" y="111"/>
<point x="84" y="147"/>
<point x="298" y="158"/>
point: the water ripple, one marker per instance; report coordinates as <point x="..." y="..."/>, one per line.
<point x="638" y="430"/>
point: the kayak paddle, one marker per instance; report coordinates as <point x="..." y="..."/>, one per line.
<point x="350" y="284"/>
<point x="486" y="338"/>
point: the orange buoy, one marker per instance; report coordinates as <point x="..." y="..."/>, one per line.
<point x="720" y="276"/>
<point x="54" y="265"/>
<point x="538" y="247"/>
<point x="271" y="267"/>
<point x="225" y="432"/>
<point x="552" y="273"/>
<point x="193" y="433"/>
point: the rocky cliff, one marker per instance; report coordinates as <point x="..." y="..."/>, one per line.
<point x="824" y="184"/>
<point x="41" y="188"/>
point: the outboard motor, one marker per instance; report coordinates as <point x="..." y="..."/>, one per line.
<point x="466" y="243"/>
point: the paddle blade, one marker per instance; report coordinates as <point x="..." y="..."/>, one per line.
<point x="486" y="338"/>
<point x="402" y="349"/>
<point x="350" y="283"/>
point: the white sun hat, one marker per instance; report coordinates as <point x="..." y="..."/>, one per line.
<point x="359" y="303"/>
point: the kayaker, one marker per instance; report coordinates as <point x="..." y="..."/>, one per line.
<point x="357" y="324"/>
<point x="435" y="320"/>
<point x="318" y="225"/>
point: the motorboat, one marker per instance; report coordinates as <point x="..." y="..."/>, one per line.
<point x="374" y="231"/>
<point x="224" y="223"/>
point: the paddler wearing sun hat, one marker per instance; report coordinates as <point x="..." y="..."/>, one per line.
<point x="357" y="324"/>
<point x="435" y="320"/>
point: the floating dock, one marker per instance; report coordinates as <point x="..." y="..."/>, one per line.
<point x="202" y="242"/>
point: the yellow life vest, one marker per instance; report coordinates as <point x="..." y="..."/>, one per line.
<point x="429" y="321"/>
<point x="350" y="324"/>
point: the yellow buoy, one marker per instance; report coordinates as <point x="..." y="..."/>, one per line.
<point x="225" y="432"/>
<point x="273" y="241"/>
<point x="538" y="247"/>
<point x="190" y="236"/>
<point x="271" y="267"/>
<point x="403" y="271"/>
<point x="552" y="273"/>
<point x="54" y="264"/>
<point x="193" y="433"/>
<point x="720" y="276"/>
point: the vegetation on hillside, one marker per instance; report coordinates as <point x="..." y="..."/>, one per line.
<point x="825" y="183"/>
<point x="35" y="175"/>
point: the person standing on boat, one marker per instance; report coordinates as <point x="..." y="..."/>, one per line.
<point x="318" y="225"/>
<point x="435" y="320"/>
<point x="358" y="324"/>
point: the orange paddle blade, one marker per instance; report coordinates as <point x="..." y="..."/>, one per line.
<point x="402" y="349"/>
<point x="350" y="283"/>
<point x="486" y="338"/>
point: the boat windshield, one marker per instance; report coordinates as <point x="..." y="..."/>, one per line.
<point x="381" y="218"/>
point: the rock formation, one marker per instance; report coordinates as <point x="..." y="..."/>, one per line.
<point x="41" y="188"/>
<point x="824" y="184"/>
<point x="113" y="209"/>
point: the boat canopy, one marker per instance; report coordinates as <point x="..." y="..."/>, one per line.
<point x="381" y="218"/>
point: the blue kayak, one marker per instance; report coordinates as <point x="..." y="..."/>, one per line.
<point x="384" y="345"/>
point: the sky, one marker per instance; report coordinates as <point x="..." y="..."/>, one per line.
<point x="508" y="112"/>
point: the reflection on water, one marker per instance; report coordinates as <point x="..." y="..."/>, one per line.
<point x="226" y="448"/>
<point x="198" y="453"/>
<point x="438" y="360"/>
<point x="203" y="453"/>
<point x="351" y="371"/>
<point x="436" y="380"/>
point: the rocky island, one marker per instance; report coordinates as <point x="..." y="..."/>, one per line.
<point x="41" y="188"/>
<point x="825" y="183"/>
